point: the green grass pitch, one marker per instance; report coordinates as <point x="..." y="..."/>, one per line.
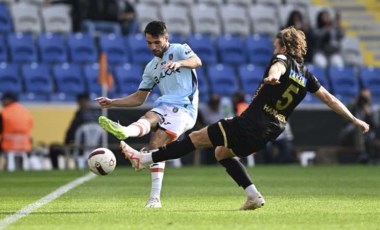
<point x="318" y="197"/>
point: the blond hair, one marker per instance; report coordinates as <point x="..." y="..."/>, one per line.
<point x="295" y="42"/>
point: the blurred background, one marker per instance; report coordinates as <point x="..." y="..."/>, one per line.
<point x="50" y="60"/>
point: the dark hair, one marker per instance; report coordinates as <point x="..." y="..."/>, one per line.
<point x="156" y="28"/>
<point x="291" y="17"/>
<point x="9" y="96"/>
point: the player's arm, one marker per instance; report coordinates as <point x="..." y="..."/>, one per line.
<point x="192" y="62"/>
<point x="338" y="107"/>
<point x="135" y="99"/>
<point x="275" y="72"/>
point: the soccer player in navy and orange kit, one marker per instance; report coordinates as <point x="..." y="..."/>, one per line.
<point x="285" y="84"/>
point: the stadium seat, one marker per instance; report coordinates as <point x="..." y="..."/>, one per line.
<point x="274" y="3"/>
<point x="56" y="18"/>
<point x="231" y="49"/>
<point x="305" y="4"/>
<point x="264" y="19"/>
<point x="187" y="3"/>
<point x="91" y="76"/>
<point x="22" y="48"/>
<point x="52" y="48"/>
<point x="175" y="38"/>
<point x="38" y="81"/>
<point x="3" y="50"/>
<point x="250" y="76"/>
<point x="146" y="13"/>
<point x="344" y="83"/>
<point x="82" y="48"/>
<point x="177" y="18"/>
<point x="26" y="18"/>
<point x="35" y="2"/>
<point x="100" y="27"/>
<point x="203" y="86"/>
<point x="216" y="3"/>
<point x="68" y="79"/>
<point x="10" y="80"/>
<point x="153" y="2"/>
<point x="205" y="19"/>
<point x="203" y="46"/>
<point x="128" y="78"/>
<point x="234" y="19"/>
<point x="244" y="3"/>
<point x="259" y="49"/>
<point x="223" y="80"/>
<point x="5" y="20"/>
<point x="115" y="48"/>
<point x="140" y="53"/>
<point x="370" y="79"/>
<point x="320" y="74"/>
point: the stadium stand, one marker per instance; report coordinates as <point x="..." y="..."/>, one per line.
<point x="177" y="18"/>
<point x="9" y="78"/>
<point x="26" y="18"/>
<point x="205" y="19"/>
<point x="203" y="46"/>
<point x="250" y="77"/>
<point x="56" y="18"/>
<point x="68" y="79"/>
<point x="22" y="48"/>
<point x="82" y="48"/>
<point x="231" y="49"/>
<point x="234" y="19"/>
<point x="52" y="48"/>
<point x="223" y="79"/>
<point x="140" y="54"/>
<point x="38" y="82"/>
<point x="370" y="79"/>
<point x="128" y="78"/>
<point x="115" y="48"/>
<point x="90" y="74"/>
<point x="344" y="83"/>
<point x="146" y="13"/>
<point x="5" y="20"/>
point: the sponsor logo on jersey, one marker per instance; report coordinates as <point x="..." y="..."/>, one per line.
<point x="274" y="112"/>
<point x="298" y="77"/>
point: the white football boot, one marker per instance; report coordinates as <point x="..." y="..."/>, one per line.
<point x="253" y="203"/>
<point x="153" y="202"/>
<point x="133" y="156"/>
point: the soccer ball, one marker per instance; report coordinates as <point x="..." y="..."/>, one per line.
<point x="101" y="161"/>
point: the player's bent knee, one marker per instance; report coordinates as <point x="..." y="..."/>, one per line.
<point x="222" y="153"/>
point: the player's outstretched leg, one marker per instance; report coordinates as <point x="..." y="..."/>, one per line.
<point x="112" y="127"/>
<point x="134" y="156"/>
<point x="253" y="203"/>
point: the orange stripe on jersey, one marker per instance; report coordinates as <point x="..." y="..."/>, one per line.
<point x="173" y="135"/>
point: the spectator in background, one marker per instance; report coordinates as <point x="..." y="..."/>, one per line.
<point x="16" y="123"/>
<point x="329" y="34"/>
<point x="239" y="102"/>
<point x="127" y="17"/>
<point x="297" y="20"/>
<point x="352" y="136"/>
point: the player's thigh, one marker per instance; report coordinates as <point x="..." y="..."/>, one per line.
<point x="200" y="138"/>
<point x="153" y="118"/>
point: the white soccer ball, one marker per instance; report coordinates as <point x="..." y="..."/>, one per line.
<point x="101" y="161"/>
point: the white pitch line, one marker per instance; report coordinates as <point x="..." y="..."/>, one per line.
<point x="8" y="220"/>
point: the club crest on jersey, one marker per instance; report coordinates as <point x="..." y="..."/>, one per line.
<point x="298" y="77"/>
<point x="170" y="57"/>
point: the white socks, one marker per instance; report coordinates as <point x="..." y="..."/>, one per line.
<point x="138" y="128"/>
<point x="251" y="191"/>
<point x="157" y="172"/>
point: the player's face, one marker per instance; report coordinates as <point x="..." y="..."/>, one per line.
<point x="278" y="49"/>
<point x="158" y="45"/>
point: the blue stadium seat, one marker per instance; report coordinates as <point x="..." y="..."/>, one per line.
<point x="38" y="81"/>
<point x="101" y="27"/>
<point x="370" y="79"/>
<point x="260" y="49"/>
<point x="175" y="38"/>
<point x="91" y="75"/>
<point x="231" y="49"/>
<point x="10" y="80"/>
<point x="204" y="47"/>
<point x="68" y="79"/>
<point x="344" y="83"/>
<point x="250" y="77"/>
<point x="320" y="74"/>
<point x="5" y="20"/>
<point x="82" y="48"/>
<point x="203" y="86"/>
<point x="114" y="47"/>
<point x="223" y="80"/>
<point x="52" y="48"/>
<point x="140" y="53"/>
<point x="22" y="48"/>
<point x="128" y="78"/>
<point x="3" y="49"/>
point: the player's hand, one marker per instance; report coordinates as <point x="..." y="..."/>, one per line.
<point x="172" y="65"/>
<point x="104" y="102"/>
<point x="271" y="80"/>
<point x="361" y="124"/>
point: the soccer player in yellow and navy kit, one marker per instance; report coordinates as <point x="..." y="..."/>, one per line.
<point x="285" y="83"/>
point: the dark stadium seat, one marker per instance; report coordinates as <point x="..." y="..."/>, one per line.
<point x="250" y="77"/>
<point x="82" y="48"/>
<point x="5" y="20"/>
<point x="344" y="83"/>
<point x="68" y="79"/>
<point x="38" y="81"/>
<point x="3" y="50"/>
<point x="204" y="47"/>
<point x="52" y="48"/>
<point x="231" y="49"/>
<point x="128" y="77"/>
<point x="370" y="79"/>
<point x="10" y="78"/>
<point x="22" y="48"/>
<point x="115" y="48"/>
<point x="140" y="53"/>
<point x="223" y="80"/>
<point x="203" y="86"/>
